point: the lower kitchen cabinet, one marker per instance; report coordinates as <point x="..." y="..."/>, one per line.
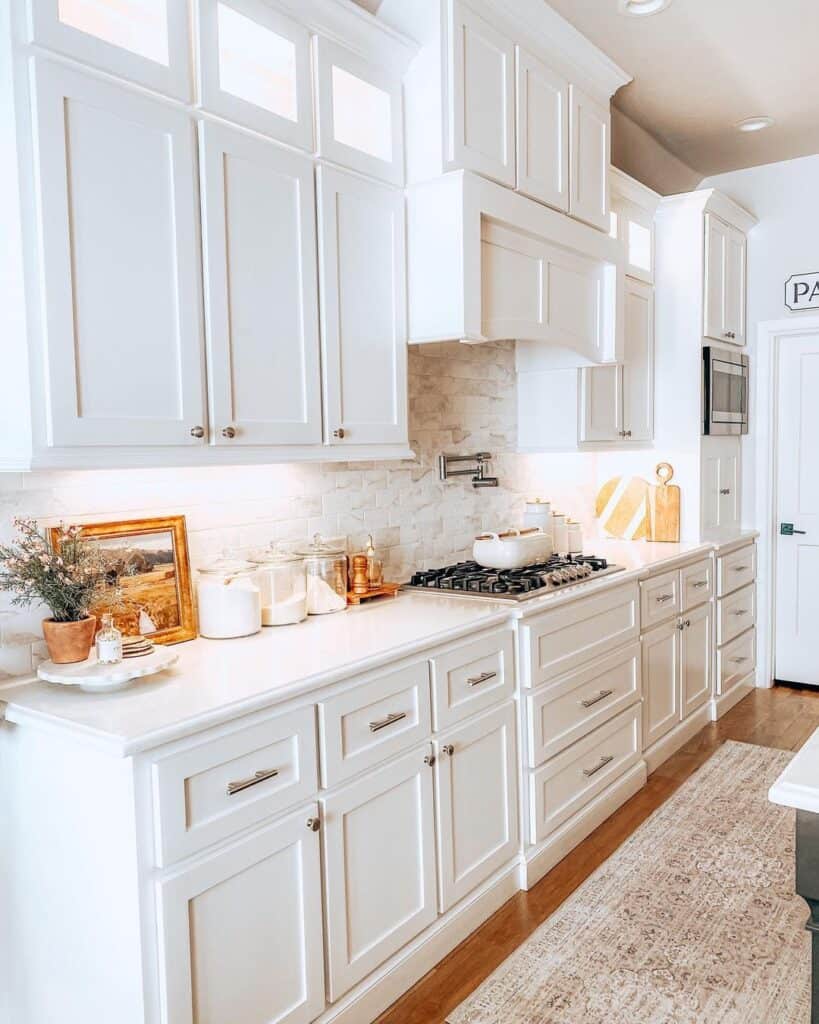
<point x="240" y="933"/>
<point x="379" y="867"/>
<point x="661" y="681"/>
<point x="697" y="658"/>
<point x="476" y="805"/>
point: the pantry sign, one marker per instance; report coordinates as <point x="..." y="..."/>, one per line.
<point x="802" y="291"/>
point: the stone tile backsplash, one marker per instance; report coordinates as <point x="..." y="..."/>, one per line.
<point x="461" y="399"/>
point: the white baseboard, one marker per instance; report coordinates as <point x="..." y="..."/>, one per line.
<point x="542" y="858"/>
<point x="739" y="691"/>
<point x="680" y="734"/>
<point x="395" y="977"/>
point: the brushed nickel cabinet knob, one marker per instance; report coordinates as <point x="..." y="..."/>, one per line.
<point x="339" y="433"/>
<point x="314" y="824"/>
<point x="448" y="749"/>
<point x="429" y="759"/>
<point x="197" y="431"/>
<point x="229" y="433"/>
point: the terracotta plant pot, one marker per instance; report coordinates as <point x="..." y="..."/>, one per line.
<point x="69" y="641"/>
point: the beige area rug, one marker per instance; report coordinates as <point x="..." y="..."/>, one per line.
<point x="692" y="921"/>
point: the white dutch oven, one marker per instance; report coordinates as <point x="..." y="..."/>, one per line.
<point x="512" y="549"/>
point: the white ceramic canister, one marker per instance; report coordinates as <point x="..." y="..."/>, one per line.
<point x="283" y="586"/>
<point x="229" y="599"/>
<point x="575" y="538"/>
<point x="560" y="533"/>
<point x="538" y="512"/>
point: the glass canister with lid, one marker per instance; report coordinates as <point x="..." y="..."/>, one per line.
<point x="283" y="585"/>
<point x="229" y="599"/>
<point x="325" y="565"/>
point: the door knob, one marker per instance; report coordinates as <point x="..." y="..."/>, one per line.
<point x="197" y="431"/>
<point x="229" y="433"/>
<point x="787" y="530"/>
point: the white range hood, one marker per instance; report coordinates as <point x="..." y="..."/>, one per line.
<point x="488" y="264"/>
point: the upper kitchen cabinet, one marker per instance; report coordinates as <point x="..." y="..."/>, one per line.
<point x="144" y="41"/>
<point x="254" y="69"/>
<point x="362" y="261"/>
<point x="261" y="290"/>
<point x="486" y="264"/>
<point x="116" y="178"/>
<point x="633" y="208"/>
<point x="724" y="282"/>
<point x="360" y="113"/>
<point x="514" y="94"/>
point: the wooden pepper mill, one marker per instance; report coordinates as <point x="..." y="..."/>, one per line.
<point x="361" y="579"/>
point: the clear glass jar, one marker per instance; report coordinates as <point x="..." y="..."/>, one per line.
<point x="109" y="642"/>
<point x="229" y="599"/>
<point x="325" y="565"/>
<point x="283" y="585"/>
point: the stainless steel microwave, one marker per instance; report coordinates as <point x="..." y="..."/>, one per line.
<point x="725" y="392"/>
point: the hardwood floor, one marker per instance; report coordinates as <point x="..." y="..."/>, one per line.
<point x="781" y="717"/>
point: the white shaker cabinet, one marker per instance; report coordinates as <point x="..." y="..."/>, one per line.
<point x="697" y="657"/>
<point x="661" y="681"/>
<point x="542" y="131"/>
<point x="476" y="802"/>
<point x="240" y="932"/>
<point x="721" y="486"/>
<point x="481" y="103"/>
<point x="261" y="290"/>
<point x="590" y="127"/>
<point x="379" y="866"/>
<point x="724" y="282"/>
<point x="116" y="181"/>
<point x="362" y="261"/>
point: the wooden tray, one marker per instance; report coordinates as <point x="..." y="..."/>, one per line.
<point x="385" y="590"/>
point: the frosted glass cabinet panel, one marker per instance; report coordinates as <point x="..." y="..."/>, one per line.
<point x="255" y="69"/>
<point x="116" y="176"/>
<point x="359" y="114"/>
<point x="145" y="41"/>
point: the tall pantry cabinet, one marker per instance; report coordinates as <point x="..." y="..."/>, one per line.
<point x="190" y="296"/>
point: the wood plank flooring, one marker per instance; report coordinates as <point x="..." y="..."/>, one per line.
<point x="780" y="717"/>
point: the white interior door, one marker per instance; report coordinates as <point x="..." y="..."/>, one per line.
<point x="363" y="309"/>
<point x="240" y="931"/>
<point x="116" y="173"/>
<point x="797" y="554"/>
<point x="261" y="290"/>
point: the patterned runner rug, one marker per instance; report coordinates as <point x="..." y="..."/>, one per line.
<point x="693" y="920"/>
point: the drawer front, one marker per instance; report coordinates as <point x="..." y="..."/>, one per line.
<point x="569" y="781"/>
<point x="697" y="583"/>
<point x="659" y="599"/>
<point x="472" y="677"/>
<point x="558" y="642"/>
<point x="736" y="570"/>
<point x="206" y="793"/>
<point x="735" y="660"/>
<point x="736" y="613"/>
<point x="571" y="707"/>
<point x="364" y="726"/>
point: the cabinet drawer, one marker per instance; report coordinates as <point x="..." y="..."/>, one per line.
<point x="697" y="583"/>
<point x="736" y="570"/>
<point x="659" y="599"/>
<point x="205" y="793"/>
<point x="735" y="660"/>
<point x="576" y="704"/>
<point x="569" y="781"/>
<point x="364" y="726"/>
<point x="736" y="613"/>
<point x="472" y="677"/>
<point x="557" y="642"/>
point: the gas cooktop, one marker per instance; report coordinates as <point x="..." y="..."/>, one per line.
<point x="468" y="579"/>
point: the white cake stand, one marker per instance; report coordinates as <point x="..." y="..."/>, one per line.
<point x="95" y="678"/>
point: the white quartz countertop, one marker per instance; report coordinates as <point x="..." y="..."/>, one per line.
<point x="798" y="785"/>
<point x="216" y="680"/>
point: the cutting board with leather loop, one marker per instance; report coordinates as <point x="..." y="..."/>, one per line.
<point x="664" y="506"/>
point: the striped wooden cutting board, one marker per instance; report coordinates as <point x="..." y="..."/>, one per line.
<point x="622" y="506"/>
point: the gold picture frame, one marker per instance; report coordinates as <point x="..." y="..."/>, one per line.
<point x="151" y="567"/>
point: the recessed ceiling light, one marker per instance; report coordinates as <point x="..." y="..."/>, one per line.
<point x="635" y="8"/>
<point x="754" y="124"/>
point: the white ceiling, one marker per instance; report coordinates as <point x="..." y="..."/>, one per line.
<point x="702" y="65"/>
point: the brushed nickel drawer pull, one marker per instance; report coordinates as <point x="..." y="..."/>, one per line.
<point x="391" y="719"/>
<point x="664" y="597"/>
<point x="740" y="611"/>
<point x="700" y="584"/>
<point x="741" y="568"/>
<point x="236" y="787"/>
<point x="596" y="700"/>
<point x="741" y="659"/>
<point x="482" y="678"/>
<point x="606" y="759"/>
